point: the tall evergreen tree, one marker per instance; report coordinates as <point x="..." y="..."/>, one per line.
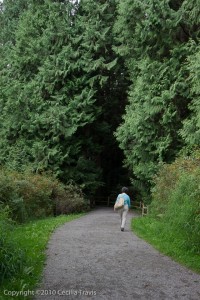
<point x="49" y="97"/>
<point x="61" y="91"/>
<point x="156" y="38"/>
<point x="191" y="129"/>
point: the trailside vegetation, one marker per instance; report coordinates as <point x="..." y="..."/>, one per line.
<point x="173" y="223"/>
<point x="31" y="196"/>
<point x="88" y="87"/>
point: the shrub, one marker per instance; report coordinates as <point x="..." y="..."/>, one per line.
<point x="176" y="198"/>
<point x="167" y="178"/>
<point x="36" y="191"/>
<point x="69" y="199"/>
<point x="31" y="196"/>
<point x="183" y="211"/>
<point x="28" y="195"/>
<point x="9" y="195"/>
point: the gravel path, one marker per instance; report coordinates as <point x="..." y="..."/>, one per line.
<point x="90" y="258"/>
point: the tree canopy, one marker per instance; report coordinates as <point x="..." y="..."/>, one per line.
<point x="61" y="85"/>
<point x="160" y="43"/>
<point x="68" y="69"/>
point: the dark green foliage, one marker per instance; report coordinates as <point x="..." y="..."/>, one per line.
<point x="61" y="91"/>
<point x="158" y="38"/>
<point x="110" y="86"/>
<point x="65" y="86"/>
<point x="48" y="99"/>
<point x="191" y="128"/>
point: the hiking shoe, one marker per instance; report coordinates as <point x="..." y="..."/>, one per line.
<point x="122" y="229"/>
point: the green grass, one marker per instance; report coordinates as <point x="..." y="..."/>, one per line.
<point x="32" y="238"/>
<point x="166" y="240"/>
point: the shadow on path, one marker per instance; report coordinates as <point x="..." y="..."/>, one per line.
<point x="90" y="258"/>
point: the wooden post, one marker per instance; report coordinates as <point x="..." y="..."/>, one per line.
<point x="144" y="210"/>
<point x="108" y="202"/>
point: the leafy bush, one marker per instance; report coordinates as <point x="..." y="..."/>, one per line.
<point x="168" y="178"/>
<point x="31" y="196"/>
<point x="12" y="258"/>
<point x="36" y="192"/>
<point x="183" y="211"/>
<point x="69" y="199"/>
<point x="176" y="199"/>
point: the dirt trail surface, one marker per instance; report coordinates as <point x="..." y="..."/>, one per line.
<point x="90" y="258"/>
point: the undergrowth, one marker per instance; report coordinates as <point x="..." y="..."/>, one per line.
<point x="173" y="223"/>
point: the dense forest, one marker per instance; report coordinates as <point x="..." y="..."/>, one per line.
<point x="99" y="92"/>
<point x="95" y="95"/>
